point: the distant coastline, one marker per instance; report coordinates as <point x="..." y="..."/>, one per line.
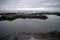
<point x="13" y="16"/>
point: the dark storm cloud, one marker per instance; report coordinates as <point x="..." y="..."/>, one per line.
<point x="44" y="5"/>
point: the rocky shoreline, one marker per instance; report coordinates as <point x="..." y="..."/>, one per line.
<point x="53" y="35"/>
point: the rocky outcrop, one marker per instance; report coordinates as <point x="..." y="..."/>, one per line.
<point x="23" y="16"/>
<point x="53" y="35"/>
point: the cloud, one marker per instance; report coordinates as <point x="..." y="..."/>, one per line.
<point x="20" y="4"/>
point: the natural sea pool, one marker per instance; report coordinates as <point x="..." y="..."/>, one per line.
<point x="30" y="25"/>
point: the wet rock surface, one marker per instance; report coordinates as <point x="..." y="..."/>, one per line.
<point x="33" y="36"/>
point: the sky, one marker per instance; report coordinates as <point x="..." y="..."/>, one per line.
<point x="41" y="5"/>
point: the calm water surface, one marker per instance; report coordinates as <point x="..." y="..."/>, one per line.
<point x="30" y="25"/>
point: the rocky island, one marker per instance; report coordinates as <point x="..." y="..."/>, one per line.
<point x="12" y="16"/>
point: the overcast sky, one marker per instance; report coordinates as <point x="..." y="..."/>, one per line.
<point x="42" y="5"/>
